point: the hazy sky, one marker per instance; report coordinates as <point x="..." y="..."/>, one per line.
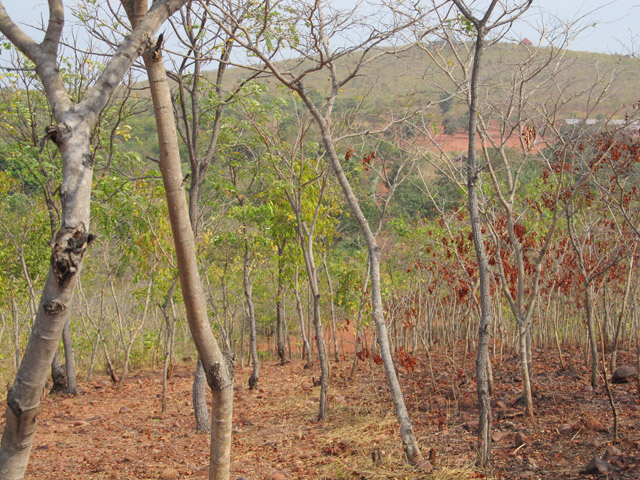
<point x="616" y="21"/>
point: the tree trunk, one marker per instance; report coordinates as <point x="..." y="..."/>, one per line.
<point x="322" y="357"/>
<point x="303" y="334"/>
<point x="70" y="245"/>
<point x="253" y="340"/>
<point x="71" y="134"/>
<point x="279" y="308"/>
<point x="16" y="334"/>
<point x="525" y="370"/>
<point x="333" y="310"/>
<point x="306" y="243"/>
<point x="57" y="376"/>
<point x="484" y="329"/>
<point x="623" y="309"/>
<point x="356" y="328"/>
<point x="218" y="368"/>
<point x="199" y="399"/>
<point x="593" y="335"/>
<point x="169" y="321"/>
<point x="70" y="365"/>
<point x="409" y="442"/>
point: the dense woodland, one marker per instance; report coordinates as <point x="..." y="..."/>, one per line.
<point x="276" y="124"/>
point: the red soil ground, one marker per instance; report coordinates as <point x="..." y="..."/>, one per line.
<point x="119" y="433"/>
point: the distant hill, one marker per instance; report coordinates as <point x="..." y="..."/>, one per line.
<point x="410" y="78"/>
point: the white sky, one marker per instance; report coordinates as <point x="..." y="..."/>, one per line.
<point x="617" y="22"/>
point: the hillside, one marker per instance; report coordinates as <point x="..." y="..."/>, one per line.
<point x="411" y="78"/>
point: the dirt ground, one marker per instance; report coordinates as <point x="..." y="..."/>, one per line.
<point x="119" y="433"/>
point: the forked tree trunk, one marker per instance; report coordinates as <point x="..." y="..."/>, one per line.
<point x="305" y="236"/>
<point x="71" y="134"/>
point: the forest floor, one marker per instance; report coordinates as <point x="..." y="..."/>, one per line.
<point x="120" y="433"/>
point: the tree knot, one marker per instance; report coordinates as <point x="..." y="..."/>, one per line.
<point x="156" y="50"/>
<point x="219" y="379"/>
<point x="14" y="404"/>
<point x="53" y="308"/>
<point x="68" y="250"/>
<point x="58" y="134"/>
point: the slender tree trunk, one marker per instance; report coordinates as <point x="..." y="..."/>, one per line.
<point x="484" y="330"/>
<point x="127" y="355"/>
<point x="279" y="308"/>
<point x="16" y="334"/>
<point x="303" y="334"/>
<point x="333" y="310"/>
<point x="306" y="243"/>
<point x="169" y="321"/>
<point x="356" y="328"/>
<point x="218" y="368"/>
<point x="253" y="340"/>
<point x="409" y="442"/>
<point x="322" y="356"/>
<point x="623" y="309"/>
<point x="593" y="335"/>
<point x="70" y="365"/>
<point x="525" y="369"/>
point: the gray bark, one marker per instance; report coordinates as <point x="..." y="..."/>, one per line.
<point x="333" y="310"/>
<point x="169" y="320"/>
<point x="69" y="361"/>
<point x="484" y="329"/>
<point x="305" y="339"/>
<point x="57" y="375"/>
<point x="199" y="399"/>
<point x="253" y="341"/>
<point x="71" y="134"/>
<point x="306" y="234"/>
<point x="593" y="335"/>
<point x="279" y="307"/>
<point x="483" y="367"/>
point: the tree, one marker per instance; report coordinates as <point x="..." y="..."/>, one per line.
<point x="306" y="30"/>
<point x="27" y="115"/>
<point x="299" y="181"/>
<point x="218" y="367"/>
<point x="479" y="26"/>
<point x="199" y="105"/>
<point x="71" y="134"/>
